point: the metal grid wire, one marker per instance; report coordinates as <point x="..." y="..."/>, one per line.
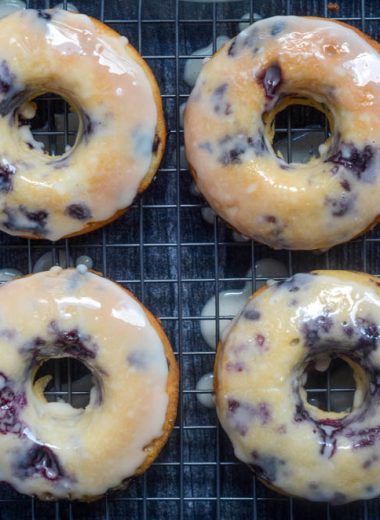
<point x="174" y="262"/>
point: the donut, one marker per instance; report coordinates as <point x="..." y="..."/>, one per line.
<point x="293" y="446"/>
<point x="229" y="129"/>
<point x="121" y="135"/>
<point x="50" y="449"/>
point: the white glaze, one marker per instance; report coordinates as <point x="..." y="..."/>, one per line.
<point x="109" y="437"/>
<point x="205" y="389"/>
<point x="46" y="261"/>
<point x="238" y="237"/>
<point x="208" y="215"/>
<point x="103" y="172"/>
<point x="8" y="273"/>
<point x="316" y="205"/>
<point x="231" y="301"/>
<point x="193" y="65"/>
<point x="85" y="260"/>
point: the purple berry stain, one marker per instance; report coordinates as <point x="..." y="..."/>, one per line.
<point x="354" y="160"/>
<point x="260" y="340"/>
<point x="237" y="366"/>
<point x="38" y="461"/>
<point x="11" y="404"/>
<point x="6" y="78"/>
<point x="7" y="172"/>
<point x="243" y="414"/>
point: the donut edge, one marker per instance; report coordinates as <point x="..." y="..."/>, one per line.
<point x="218" y="357"/>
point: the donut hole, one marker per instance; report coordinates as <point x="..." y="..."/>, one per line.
<point x="330" y="384"/>
<point x="71" y="381"/>
<point x="48" y="123"/>
<point x="298" y="132"/>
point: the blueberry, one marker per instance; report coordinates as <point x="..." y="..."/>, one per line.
<point x="368" y="331"/>
<point x="232" y="156"/>
<point x="44" y="15"/>
<point x="260" y="340"/>
<point x="258" y="144"/>
<point x="313" y="328"/>
<point x="11" y="404"/>
<point x="220" y="91"/>
<point x="354" y="160"/>
<point x="237" y="366"/>
<point x="16" y="219"/>
<point x="233" y="405"/>
<point x="6" y="78"/>
<point x="138" y="360"/>
<point x="220" y="105"/>
<point x="206" y="145"/>
<point x="227" y="109"/>
<point x="340" y="206"/>
<point x="301" y="414"/>
<point x="38" y="460"/>
<point x="264" y="413"/>
<point x="267" y="467"/>
<point x="37" y="216"/>
<point x="7" y="172"/>
<point x="71" y="342"/>
<point x="252" y="314"/>
<point x="345" y="185"/>
<point x="243" y="414"/>
<point x="232" y="147"/>
<point x="348" y="330"/>
<point x="78" y="211"/>
<point x="88" y="126"/>
<point x="271" y="79"/>
<point x="277" y="28"/>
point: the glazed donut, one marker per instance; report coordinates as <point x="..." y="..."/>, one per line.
<point x="121" y="136"/>
<point x="229" y="132"/>
<point x="292" y="445"/>
<point x="52" y="450"/>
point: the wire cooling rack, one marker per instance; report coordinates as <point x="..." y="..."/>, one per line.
<point x="174" y="261"/>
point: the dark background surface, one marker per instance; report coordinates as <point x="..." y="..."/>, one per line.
<point x="165" y="253"/>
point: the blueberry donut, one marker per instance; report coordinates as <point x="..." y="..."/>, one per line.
<point x="50" y="449"/>
<point x="229" y="131"/>
<point x="121" y="135"/>
<point x="293" y="446"/>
